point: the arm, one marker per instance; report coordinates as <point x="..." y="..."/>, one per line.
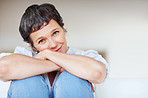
<point x="81" y="66"/>
<point x="17" y="66"/>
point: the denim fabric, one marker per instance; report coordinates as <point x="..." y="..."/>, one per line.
<point x="66" y="86"/>
<point x="71" y="86"/>
<point x="32" y="87"/>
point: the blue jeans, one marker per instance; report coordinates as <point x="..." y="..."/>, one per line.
<point x="66" y="86"/>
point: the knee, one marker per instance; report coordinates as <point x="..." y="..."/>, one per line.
<point x="70" y="79"/>
<point x="70" y="85"/>
<point x="31" y="82"/>
<point x="29" y="87"/>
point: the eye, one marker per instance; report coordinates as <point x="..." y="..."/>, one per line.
<point x="41" y="41"/>
<point x="54" y="33"/>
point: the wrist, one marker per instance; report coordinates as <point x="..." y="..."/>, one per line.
<point x="49" y="54"/>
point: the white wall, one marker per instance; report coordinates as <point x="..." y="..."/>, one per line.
<point x="123" y="88"/>
<point x="117" y="27"/>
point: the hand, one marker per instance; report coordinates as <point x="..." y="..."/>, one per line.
<point x="42" y="55"/>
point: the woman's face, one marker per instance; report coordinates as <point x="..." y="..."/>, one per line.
<point x="51" y="36"/>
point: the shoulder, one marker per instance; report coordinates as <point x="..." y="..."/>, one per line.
<point x="90" y="53"/>
<point x="23" y="50"/>
<point x="74" y="51"/>
<point x="19" y="50"/>
<point x="4" y="54"/>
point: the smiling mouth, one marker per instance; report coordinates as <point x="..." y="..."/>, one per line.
<point x="59" y="49"/>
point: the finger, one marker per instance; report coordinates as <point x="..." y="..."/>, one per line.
<point x="39" y="57"/>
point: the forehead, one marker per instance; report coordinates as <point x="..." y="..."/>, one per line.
<point x="49" y="28"/>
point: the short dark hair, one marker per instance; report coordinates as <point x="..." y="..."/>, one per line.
<point x="34" y="17"/>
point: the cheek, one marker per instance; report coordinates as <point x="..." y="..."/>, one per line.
<point x="41" y="47"/>
<point x="61" y="39"/>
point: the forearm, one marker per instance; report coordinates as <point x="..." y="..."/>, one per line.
<point x="81" y="66"/>
<point x="17" y="66"/>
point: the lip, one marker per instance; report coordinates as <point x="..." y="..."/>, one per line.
<point x="59" y="49"/>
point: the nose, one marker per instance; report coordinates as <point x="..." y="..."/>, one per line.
<point x="52" y="44"/>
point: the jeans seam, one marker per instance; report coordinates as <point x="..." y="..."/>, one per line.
<point x="89" y="87"/>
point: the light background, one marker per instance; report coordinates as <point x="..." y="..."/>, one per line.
<point x="119" y="28"/>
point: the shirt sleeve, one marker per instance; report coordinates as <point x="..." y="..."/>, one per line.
<point x="19" y="50"/>
<point x="23" y="50"/>
<point x="4" y="54"/>
<point x="94" y="54"/>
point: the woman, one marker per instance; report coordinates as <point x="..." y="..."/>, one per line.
<point x="52" y="70"/>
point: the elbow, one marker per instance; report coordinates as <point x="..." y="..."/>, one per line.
<point x="3" y="70"/>
<point x="98" y="76"/>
